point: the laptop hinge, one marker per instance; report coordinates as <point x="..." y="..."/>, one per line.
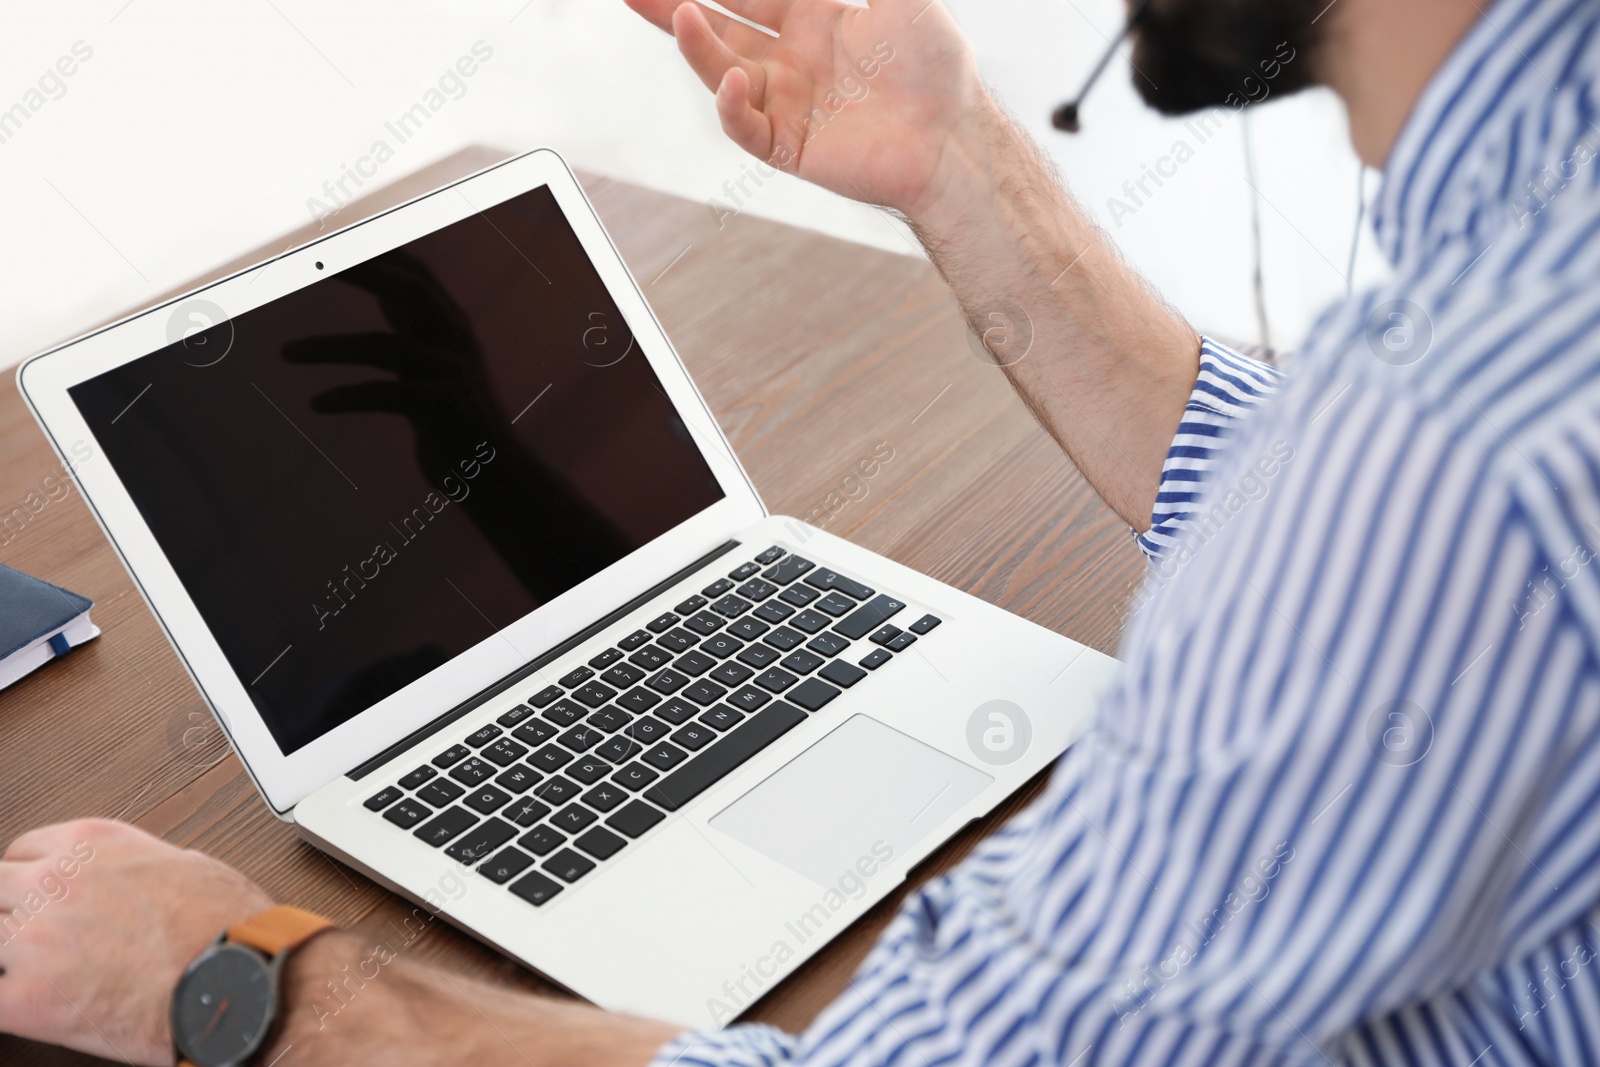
<point x="515" y="677"/>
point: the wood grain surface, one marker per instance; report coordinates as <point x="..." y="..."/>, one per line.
<point x="811" y="351"/>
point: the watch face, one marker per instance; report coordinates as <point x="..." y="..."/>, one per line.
<point x="223" y="1006"/>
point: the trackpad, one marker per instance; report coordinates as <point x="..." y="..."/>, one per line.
<point x="863" y="784"/>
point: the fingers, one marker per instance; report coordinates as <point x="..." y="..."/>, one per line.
<point x="746" y="126"/>
<point x="709" y="55"/>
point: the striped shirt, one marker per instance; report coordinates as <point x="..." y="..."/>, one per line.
<point x="1344" y="804"/>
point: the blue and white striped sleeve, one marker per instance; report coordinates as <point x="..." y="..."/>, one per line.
<point x="1228" y="387"/>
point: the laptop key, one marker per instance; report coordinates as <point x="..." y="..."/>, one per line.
<point x="383" y="798"/>
<point x="798" y="595"/>
<point x="444" y="826"/>
<point x="649" y="658"/>
<point x="581" y="738"/>
<point x="812" y="693"/>
<point x="609" y="718"/>
<point x="717" y="588"/>
<point x="526" y="811"/>
<point x="623" y="675"/>
<point x="406" y="814"/>
<point x="876" y="658"/>
<point x="902" y="642"/>
<point x="756" y="589"/>
<point x="518" y="779"/>
<point x="617" y="749"/>
<point x="670" y="680"/>
<point x="567" y="865"/>
<point x="835" y="604"/>
<point x="535" y="888"/>
<point x="572" y="818"/>
<point x="704" y="692"/>
<point x="773" y="611"/>
<point x="722" y="717"/>
<point x="776" y="680"/>
<point x="557" y="790"/>
<point x="783" y="639"/>
<point x="417" y="777"/>
<point x="744" y="570"/>
<point x="440" y="793"/>
<point x="693" y="664"/>
<point x="647" y="731"/>
<point x="545" y="696"/>
<point x="633" y="640"/>
<point x="885" y="634"/>
<point x="606" y="659"/>
<point x="749" y="628"/>
<point x="481" y="841"/>
<point x="773" y="553"/>
<point x="677" y="711"/>
<point x="705" y="623"/>
<point x="451" y="756"/>
<point x="534" y="732"/>
<point x="690" y="606"/>
<point x="677" y="640"/>
<point x="542" y="840"/>
<point x="802" y="662"/>
<point x="732" y="606"/>
<point x="635" y="776"/>
<point x="486" y="799"/>
<point x="576" y="677"/>
<point x="827" y="644"/>
<point x="550" y="759"/>
<point x="662" y="623"/>
<point x="565" y="712"/>
<point x="830" y="581"/>
<point x="504" y="752"/>
<point x="505" y="865"/>
<point x="717" y="761"/>
<point x="721" y="645"/>
<point x="787" y="570"/>
<point x="635" y="819"/>
<point x="639" y="700"/>
<point x="473" y="771"/>
<point x="600" y="843"/>
<point x="694" y="737"/>
<point x="924" y="624"/>
<point x="810" y="621"/>
<point x="842" y="673"/>
<point x="758" y="656"/>
<point x="731" y="674"/>
<point x="604" y="797"/>
<point x="515" y="715"/>
<point x="594" y="694"/>
<point x="749" y="698"/>
<point x="588" y="770"/>
<point x="665" y="756"/>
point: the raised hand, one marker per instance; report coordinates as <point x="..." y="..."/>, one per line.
<point x="859" y="100"/>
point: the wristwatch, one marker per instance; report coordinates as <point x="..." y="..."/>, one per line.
<point x="226" y="1001"/>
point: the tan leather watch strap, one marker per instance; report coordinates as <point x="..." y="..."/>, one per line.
<point x="278" y="929"/>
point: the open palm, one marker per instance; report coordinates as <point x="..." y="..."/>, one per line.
<point x="859" y="100"/>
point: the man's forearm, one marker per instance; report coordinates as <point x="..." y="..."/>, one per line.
<point x="1110" y="366"/>
<point x="343" y="1006"/>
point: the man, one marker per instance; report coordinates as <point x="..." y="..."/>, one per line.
<point x="1343" y="804"/>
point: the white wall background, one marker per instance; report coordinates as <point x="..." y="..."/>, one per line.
<point x="199" y="130"/>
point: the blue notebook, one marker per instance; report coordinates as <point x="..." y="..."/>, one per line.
<point x="38" y="622"/>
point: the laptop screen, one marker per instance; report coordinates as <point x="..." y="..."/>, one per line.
<point x="365" y="478"/>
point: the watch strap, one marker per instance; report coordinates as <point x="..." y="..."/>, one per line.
<point x="278" y="929"/>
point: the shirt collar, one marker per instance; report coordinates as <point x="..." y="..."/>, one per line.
<point x="1512" y="99"/>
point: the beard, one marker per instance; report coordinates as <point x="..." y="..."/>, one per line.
<point x="1189" y="55"/>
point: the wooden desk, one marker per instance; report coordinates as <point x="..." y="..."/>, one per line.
<point x="810" y="350"/>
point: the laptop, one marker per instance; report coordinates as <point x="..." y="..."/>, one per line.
<point x="485" y="603"/>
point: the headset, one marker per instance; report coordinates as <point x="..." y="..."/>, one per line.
<point x="1065" y="117"/>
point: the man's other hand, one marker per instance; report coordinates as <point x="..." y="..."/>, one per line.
<point x="97" y="921"/>
<point x="860" y="100"/>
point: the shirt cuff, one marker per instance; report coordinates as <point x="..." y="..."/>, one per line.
<point x="746" y="1045"/>
<point x="1229" y="387"/>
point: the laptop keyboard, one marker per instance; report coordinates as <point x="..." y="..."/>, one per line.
<point x="564" y="781"/>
